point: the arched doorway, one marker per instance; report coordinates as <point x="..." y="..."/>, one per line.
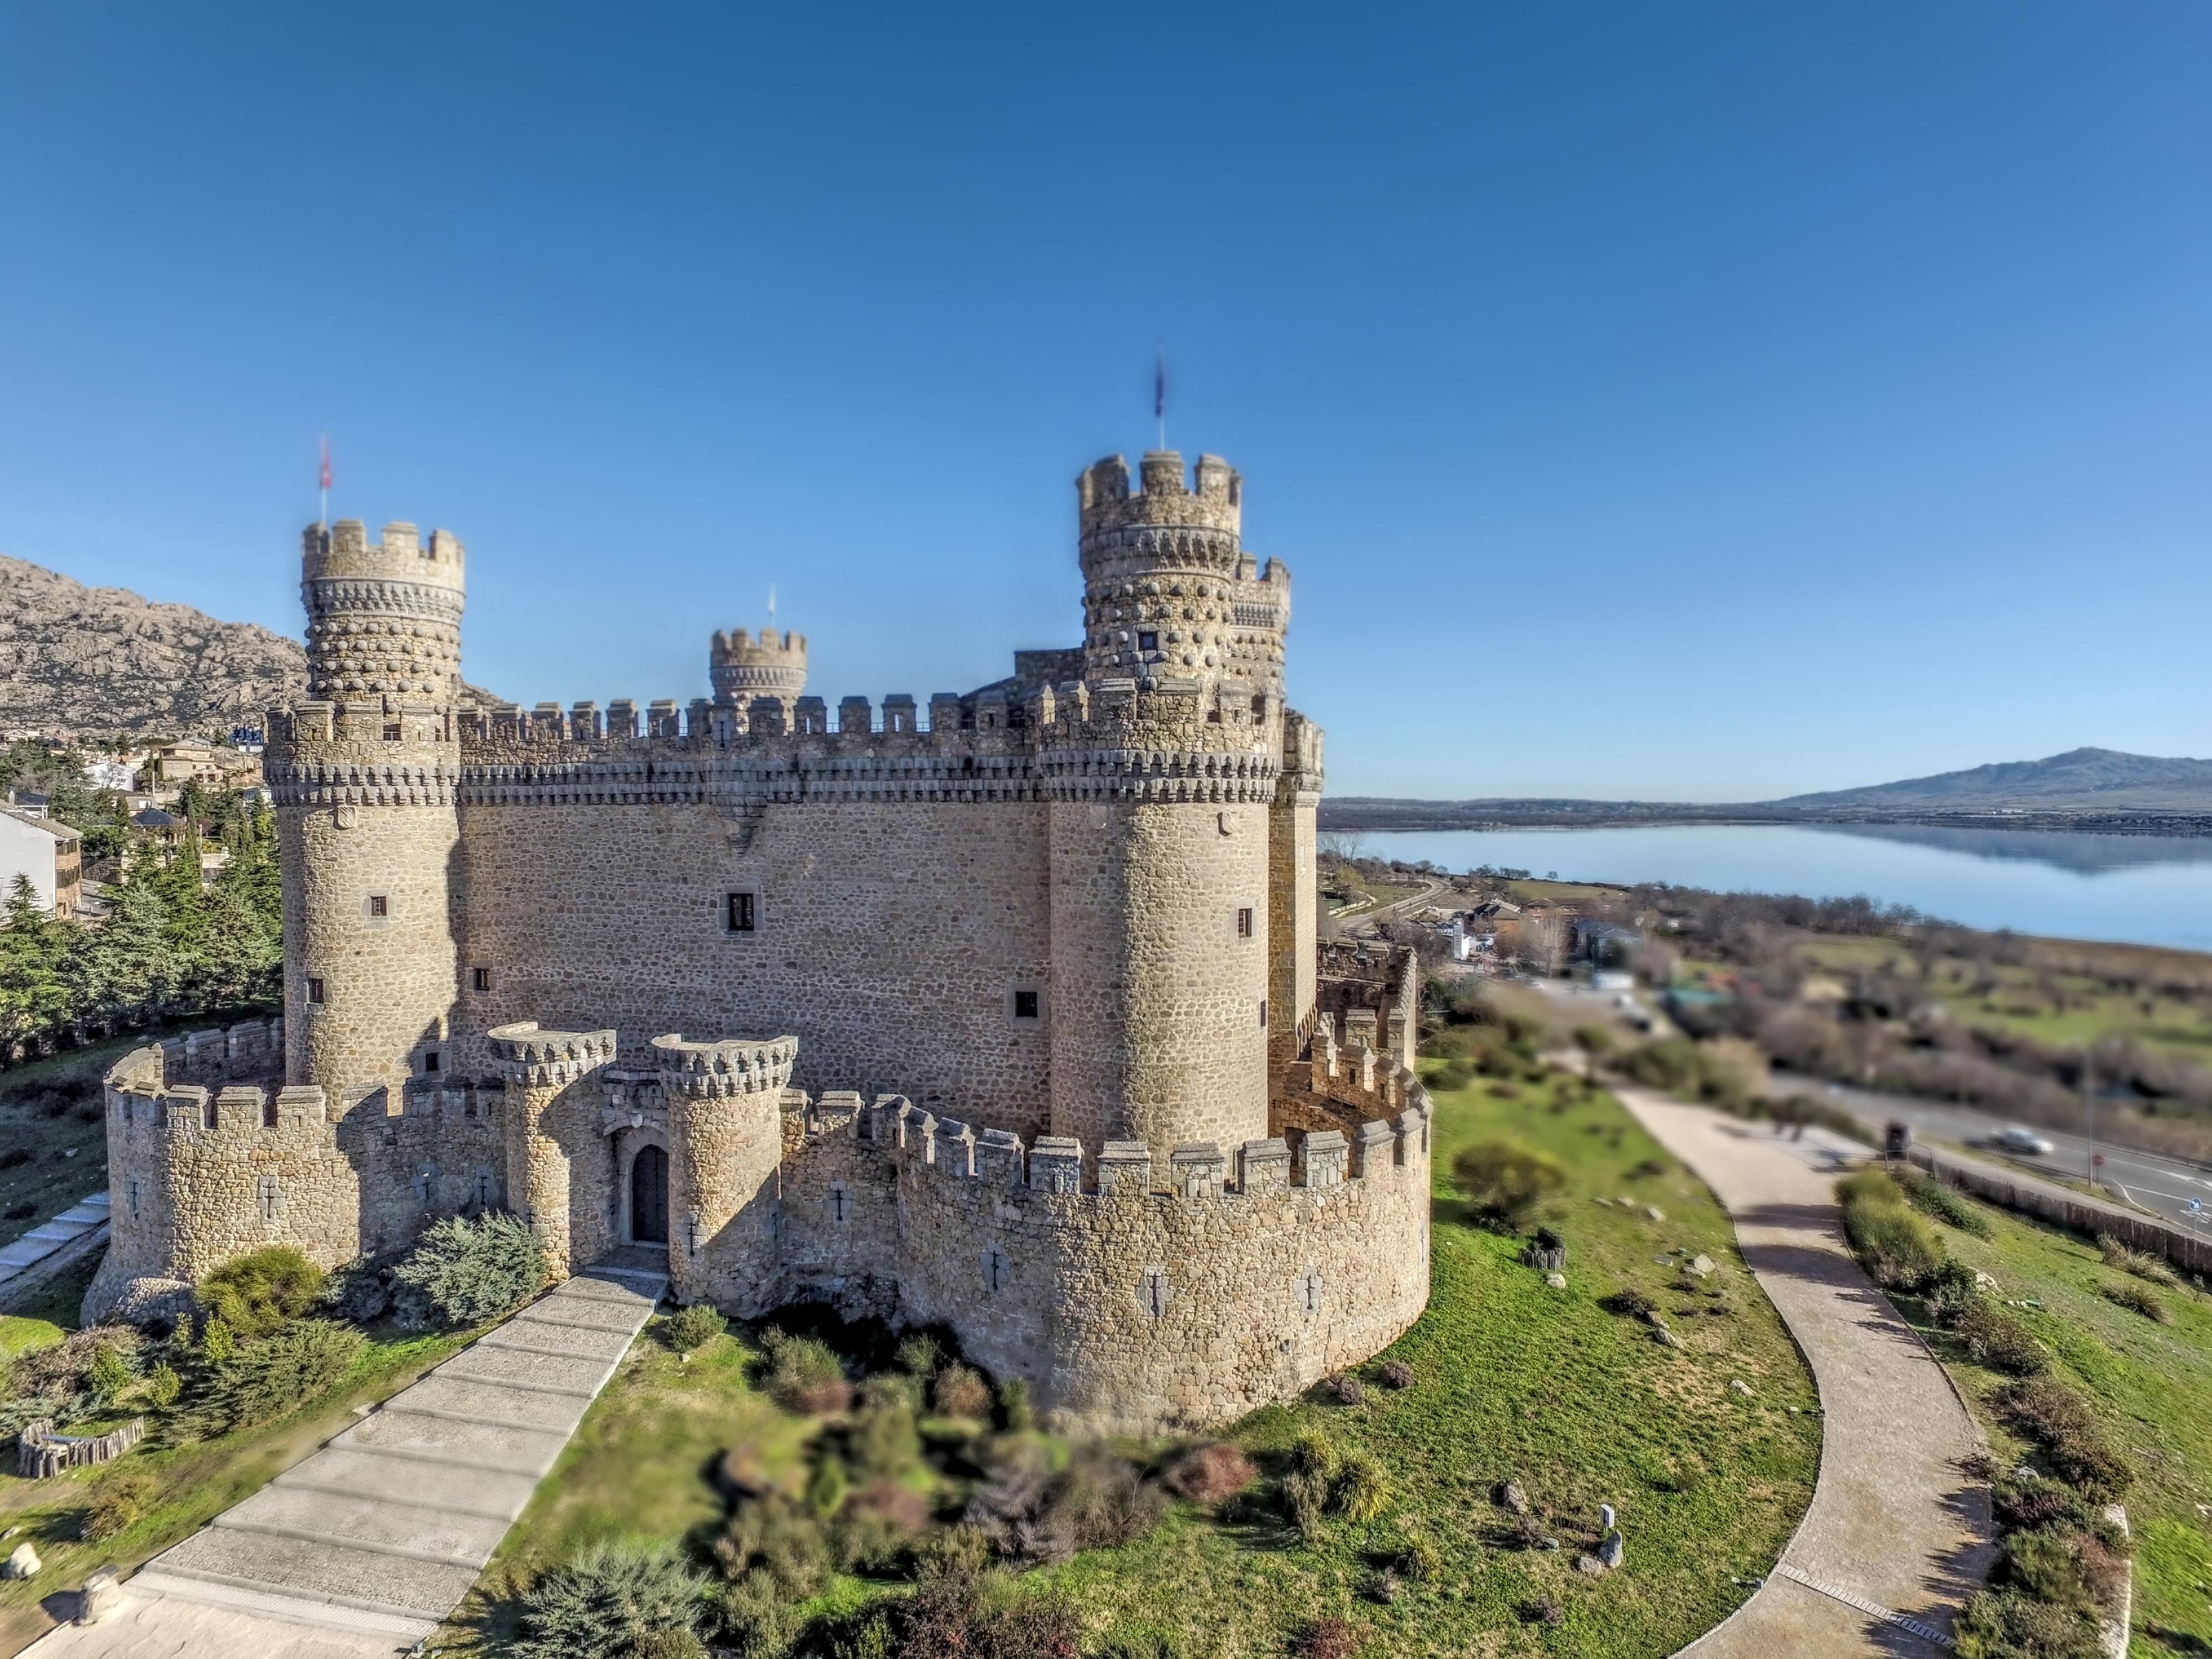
<point x="649" y="1196"/>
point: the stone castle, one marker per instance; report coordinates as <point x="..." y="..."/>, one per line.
<point x="1012" y="1017"/>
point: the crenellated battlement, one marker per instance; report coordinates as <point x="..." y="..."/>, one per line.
<point x="723" y="1069"/>
<point x="342" y="552"/>
<point x="744" y="669"/>
<point x="528" y="1055"/>
<point x="1165" y="498"/>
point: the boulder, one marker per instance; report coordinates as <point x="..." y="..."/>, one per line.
<point x="1739" y="1386"/>
<point x="1702" y="1265"/>
<point x="1612" y="1550"/>
<point x="160" y="1302"/>
<point x="1511" y="1497"/>
<point x="1653" y="1213"/>
<point x="101" y="1595"/>
<point x="23" y="1564"/>
<point x="1557" y="1281"/>
<point x="1588" y="1565"/>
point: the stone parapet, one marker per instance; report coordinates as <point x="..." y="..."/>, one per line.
<point x="719" y="1070"/>
<point x="528" y="1055"/>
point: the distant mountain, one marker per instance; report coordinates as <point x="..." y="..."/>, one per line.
<point x="87" y="660"/>
<point x="2080" y="780"/>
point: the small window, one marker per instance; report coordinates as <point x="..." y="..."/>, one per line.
<point x="314" y="989"/>
<point x="1148" y="642"/>
<point x="392" y="732"/>
<point x="480" y="979"/>
<point x="1244" y="922"/>
<point x="1026" y="1004"/>
<point x="737" y="913"/>
<point x="1263" y="1013"/>
<point x="379" y="905"/>
<point x="430" y="1060"/>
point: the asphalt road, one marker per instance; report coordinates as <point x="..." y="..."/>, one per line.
<point x="2165" y="1186"/>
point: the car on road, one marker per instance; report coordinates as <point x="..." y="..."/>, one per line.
<point x="2013" y="1139"/>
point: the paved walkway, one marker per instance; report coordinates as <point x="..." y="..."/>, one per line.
<point x="361" y="1549"/>
<point x="23" y="1258"/>
<point x="1896" y="1537"/>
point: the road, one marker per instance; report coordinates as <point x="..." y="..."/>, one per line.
<point x="2165" y="1186"/>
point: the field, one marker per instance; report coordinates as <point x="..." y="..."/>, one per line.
<point x="1512" y="1380"/>
<point x="2149" y="1383"/>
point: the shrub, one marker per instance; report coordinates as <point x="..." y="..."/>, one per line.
<point x="1212" y="1472"/>
<point x="1360" y="1493"/>
<point x="266" y="1379"/>
<point x="805" y="1377"/>
<point x="109" y="1375"/>
<point x="1629" y="1303"/>
<point x="1329" y="1638"/>
<point x="117" y="1502"/>
<point x="877" y="1524"/>
<point x="957" y="1552"/>
<point x="1506" y="1183"/>
<point x="1946" y="1204"/>
<point x="1594" y="1040"/>
<point x="958" y="1615"/>
<point x="1014" y="1406"/>
<point x="360" y="1291"/>
<point x="1994" y="1338"/>
<point x="826" y="1486"/>
<point x="961" y="1392"/>
<point x="883" y="1442"/>
<point x="2151" y="1268"/>
<point x="918" y="1356"/>
<point x="1314" y="1453"/>
<point x="2060" y="1422"/>
<point x="694" y="1327"/>
<point x="2138" y="1298"/>
<point x="617" y="1600"/>
<point x="1899" y="1249"/>
<point x="757" y="1619"/>
<point x="1345" y="1388"/>
<point x="1396" y="1374"/>
<point x="1306" y="1501"/>
<point x="2008" y="1624"/>
<point x="255" y="1294"/>
<point x="784" y="1540"/>
<point x="1104" y="1501"/>
<point x="464" y="1273"/>
<point x="162" y="1386"/>
<point x="216" y="1342"/>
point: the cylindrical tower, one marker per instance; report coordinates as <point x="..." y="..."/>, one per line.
<point x="742" y="668"/>
<point x="1161" y="777"/>
<point x="558" y="1169"/>
<point x="363" y="777"/>
<point x="725" y="1104"/>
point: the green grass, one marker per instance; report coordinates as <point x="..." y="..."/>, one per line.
<point x="68" y="1144"/>
<point x="19" y="1335"/>
<point x="2151" y="1384"/>
<point x="1513" y="1381"/>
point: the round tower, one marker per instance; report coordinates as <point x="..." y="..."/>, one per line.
<point x="743" y="668"/>
<point x="1161" y="774"/>
<point x="363" y="777"/>
<point x="725" y="1105"/>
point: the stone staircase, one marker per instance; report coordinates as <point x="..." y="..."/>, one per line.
<point x="381" y="1533"/>
<point x="24" y="1262"/>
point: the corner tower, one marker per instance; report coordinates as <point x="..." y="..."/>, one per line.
<point x="1160" y="775"/>
<point x="743" y="668"/>
<point x="364" y="775"/>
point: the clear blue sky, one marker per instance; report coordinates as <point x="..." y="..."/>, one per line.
<point x="1694" y="402"/>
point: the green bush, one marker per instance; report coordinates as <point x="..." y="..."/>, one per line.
<point x="826" y="1486"/>
<point x="1504" y="1183"/>
<point x="2138" y="1298"/>
<point x="694" y="1327"/>
<point x="961" y="1393"/>
<point x="1014" y="1406"/>
<point x="619" y="1600"/>
<point x="1305" y="1501"/>
<point x="918" y="1356"/>
<point x="109" y="1375"/>
<point x="266" y="1379"/>
<point x="1994" y="1338"/>
<point x="1946" y="1204"/>
<point x="163" y="1385"/>
<point x="1899" y="1250"/>
<point x="2073" y="1443"/>
<point x="804" y="1376"/>
<point x="465" y="1272"/>
<point x="255" y="1294"/>
<point x="883" y="1442"/>
<point x="2151" y="1268"/>
<point x="2008" y="1624"/>
<point x="218" y="1343"/>
<point x="1360" y="1493"/>
<point x="784" y="1539"/>
<point x="117" y="1502"/>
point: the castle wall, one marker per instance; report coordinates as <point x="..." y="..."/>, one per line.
<point x="889" y="934"/>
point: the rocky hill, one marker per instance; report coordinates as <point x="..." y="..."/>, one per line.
<point x="95" y="659"/>
<point x="91" y="661"/>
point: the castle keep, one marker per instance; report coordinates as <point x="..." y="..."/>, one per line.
<point x="1006" y="1011"/>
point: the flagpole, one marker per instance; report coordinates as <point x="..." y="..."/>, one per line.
<point x="1160" y="393"/>
<point x="324" y="478"/>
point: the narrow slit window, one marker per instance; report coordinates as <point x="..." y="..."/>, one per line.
<point x="314" y="989"/>
<point x="1263" y="1013"/>
<point x="1244" y="922"/>
<point x="737" y="913"/>
<point x="480" y="979"/>
<point x="379" y="905"/>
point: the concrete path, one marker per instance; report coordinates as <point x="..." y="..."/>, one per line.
<point x="1896" y="1537"/>
<point x="24" y="1258"/>
<point x="364" y="1547"/>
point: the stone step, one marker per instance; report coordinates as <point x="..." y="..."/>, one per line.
<point x="557" y="1341"/>
<point x="535" y="1373"/>
<point x="354" y="1577"/>
<point x="409" y="1437"/>
<point x="579" y="1313"/>
<point x="242" y="1596"/>
<point x="461" y="1488"/>
<point x="374" y="1523"/>
<point x="437" y="1395"/>
<point x="616" y="1292"/>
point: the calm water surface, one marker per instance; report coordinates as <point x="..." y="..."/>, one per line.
<point x="2141" y="890"/>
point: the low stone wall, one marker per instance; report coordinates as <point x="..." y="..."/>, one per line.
<point x="40" y="1453"/>
<point x="2077" y="1212"/>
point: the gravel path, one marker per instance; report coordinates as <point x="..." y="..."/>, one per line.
<point x="1896" y="1537"/>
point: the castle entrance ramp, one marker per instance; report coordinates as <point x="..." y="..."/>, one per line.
<point x="364" y="1547"/>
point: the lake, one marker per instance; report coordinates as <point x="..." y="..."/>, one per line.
<point x="2139" y="890"/>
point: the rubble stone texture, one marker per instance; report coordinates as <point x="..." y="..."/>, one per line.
<point x="1013" y="1017"/>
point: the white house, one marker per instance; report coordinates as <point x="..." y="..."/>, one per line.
<point x="49" y="854"/>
